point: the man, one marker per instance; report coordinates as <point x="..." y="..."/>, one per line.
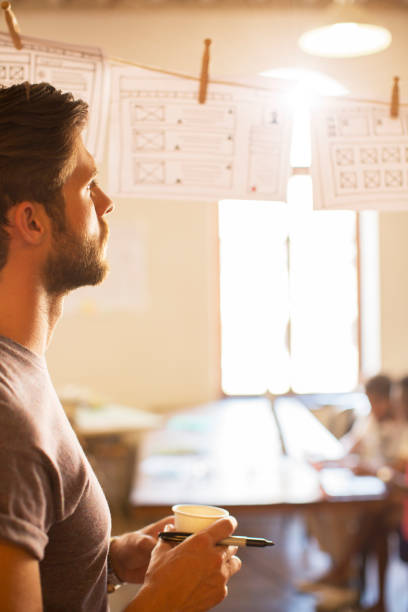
<point x="54" y="519"/>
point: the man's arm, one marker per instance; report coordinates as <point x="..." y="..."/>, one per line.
<point x="20" y="585"/>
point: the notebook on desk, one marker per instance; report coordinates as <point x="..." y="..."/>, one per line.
<point x="341" y="482"/>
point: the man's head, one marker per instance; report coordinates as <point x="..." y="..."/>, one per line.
<point x="77" y="254"/>
<point x="44" y="166"/>
<point x="378" y="390"/>
<point x="38" y="129"/>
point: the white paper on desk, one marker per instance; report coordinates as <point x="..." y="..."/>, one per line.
<point x="80" y="70"/>
<point x="164" y="144"/>
<point x="342" y="482"/>
<point x="359" y="157"/>
<point x="114" y="417"/>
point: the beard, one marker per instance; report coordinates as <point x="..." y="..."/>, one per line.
<point x="75" y="261"/>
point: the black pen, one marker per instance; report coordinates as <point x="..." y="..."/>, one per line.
<point x="179" y="536"/>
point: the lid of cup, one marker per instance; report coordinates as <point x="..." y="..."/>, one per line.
<point x="199" y="511"/>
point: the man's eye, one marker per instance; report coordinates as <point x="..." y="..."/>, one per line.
<point x="91" y="185"/>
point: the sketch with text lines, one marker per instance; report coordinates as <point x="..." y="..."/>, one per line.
<point x="163" y="143"/>
<point x="359" y="157"/>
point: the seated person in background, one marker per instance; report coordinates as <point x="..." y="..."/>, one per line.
<point x="373" y="442"/>
<point x="400" y="398"/>
<point x="398" y="477"/>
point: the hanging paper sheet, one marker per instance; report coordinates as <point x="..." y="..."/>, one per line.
<point x="78" y="69"/>
<point x="359" y="157"/>
<point x="164" y="144"/>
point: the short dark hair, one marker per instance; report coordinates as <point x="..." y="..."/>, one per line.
<point x="379" y="385"/>
<point x="38" y="128"/>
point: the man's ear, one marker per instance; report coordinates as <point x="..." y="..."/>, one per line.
<point x="29" y="221"/>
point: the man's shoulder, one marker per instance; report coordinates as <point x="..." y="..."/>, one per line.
<point x="18" y="428"/>
<point x="26" y="409"/>
<point x="16" y="355"/>
<point x="24" y="379"/>
<point x="17" y="397"/>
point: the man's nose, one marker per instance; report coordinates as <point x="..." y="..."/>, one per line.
<point x="105" y="204"/>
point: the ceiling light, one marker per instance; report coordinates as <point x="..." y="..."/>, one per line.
<point x="347" y="35"/>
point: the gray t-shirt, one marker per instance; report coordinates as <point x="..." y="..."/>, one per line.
<point x="51" y="503"/>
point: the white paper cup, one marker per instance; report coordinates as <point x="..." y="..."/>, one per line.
<point x="191" y="518"/>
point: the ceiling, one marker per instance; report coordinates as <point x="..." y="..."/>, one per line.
<point x="290" y="4"/>
<point x="248" y="36"/>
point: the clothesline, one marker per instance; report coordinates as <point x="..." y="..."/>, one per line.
<point x="187" y="76"/>
<point x="15" y="34"/>
<point x="180" y="75"/>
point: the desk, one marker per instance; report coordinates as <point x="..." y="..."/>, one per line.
<point x="230" y="453"/>
<point x="112" y="419"/>
<point x="110" y="435"/>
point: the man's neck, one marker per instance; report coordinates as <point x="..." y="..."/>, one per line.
<point x="27" y="314"/>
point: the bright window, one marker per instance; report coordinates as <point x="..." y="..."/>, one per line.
<point x="288" y="290"/>
<point x="254" y="296"/>
<point x="289" y="314"/>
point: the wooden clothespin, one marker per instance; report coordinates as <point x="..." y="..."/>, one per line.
<point x="12" y="25"/>
<point x="394" y="109"/>
<point x="202" y="95"/>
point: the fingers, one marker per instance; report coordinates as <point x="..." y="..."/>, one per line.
<point x="162" y="546"/>
<point x="221" y="529"/>
<point x="144" y="542"/>
<point x="158" y="526"/>
<point x="231" y="563"/>
<point x="233" y="566"/>
<point x="228" y="552"/>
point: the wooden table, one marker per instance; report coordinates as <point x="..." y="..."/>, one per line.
<point x="234" y="453"/>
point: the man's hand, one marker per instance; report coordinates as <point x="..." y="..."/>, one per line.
<point x="191" y="576"/>
<point x="130" y="553"/>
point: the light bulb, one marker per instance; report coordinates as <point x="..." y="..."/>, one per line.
<point x="346" y="39"/>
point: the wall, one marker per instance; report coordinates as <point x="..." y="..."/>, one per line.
<point x="394" y="292"/>
<point x="167" y="353"/>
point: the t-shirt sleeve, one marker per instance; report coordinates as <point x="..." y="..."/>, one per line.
<point x="26" y="501"/>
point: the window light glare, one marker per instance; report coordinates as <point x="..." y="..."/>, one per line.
<point x="309" y="81"/>
<point x="346" y="39"/>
